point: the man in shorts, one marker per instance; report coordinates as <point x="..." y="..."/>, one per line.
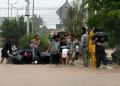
<point x="7" y="47"/>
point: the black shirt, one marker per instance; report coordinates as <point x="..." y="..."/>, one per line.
<point x="62" y="46"/>
<point x="100" y="48"/>
<point x="7" y="46"/>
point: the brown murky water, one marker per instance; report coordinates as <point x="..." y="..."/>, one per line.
<point x="52" y="75"/>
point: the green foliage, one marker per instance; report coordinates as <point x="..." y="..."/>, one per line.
<point x="107" y="17"/>
<point x="14" y="27"/>
<point x="26" y="38"/>
<point x="44" y="43"/>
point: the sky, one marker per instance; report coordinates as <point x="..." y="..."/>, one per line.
<point x="45" y="8"/>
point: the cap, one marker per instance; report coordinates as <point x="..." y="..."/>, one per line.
<point x="11" y="37"/>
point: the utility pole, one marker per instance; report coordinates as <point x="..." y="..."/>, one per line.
<point x="17" y="14"/>
<point x="17" y="11"/>
<point x="8" y="9"/>
<point x="11" y="6"/>
<point x="33" y="18"/>
<point x="11" y="11"/>
<point x="27" y="13"/>
<point x="28" y="18"/>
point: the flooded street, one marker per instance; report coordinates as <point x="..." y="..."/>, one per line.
<point x="52" y="75"/>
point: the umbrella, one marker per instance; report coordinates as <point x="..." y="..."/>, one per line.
<point x="99" y="35"/>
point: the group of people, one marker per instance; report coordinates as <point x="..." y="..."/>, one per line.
<point x="86" y="48"/>
<point x="7" y="47"/>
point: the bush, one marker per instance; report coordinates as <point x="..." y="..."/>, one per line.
<point x="26" y="38"/>
<point x="14" y="28"/>
<point x="44" y="43"/>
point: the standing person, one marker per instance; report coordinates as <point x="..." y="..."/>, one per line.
<point x="100" y="51"/>
<point x="72" y="49"/>
<point x="92" y="47"/>
<point x="77" y="48"/>
<point x="55" y="48"/>
<point x="63" y="45"/>
<point x="7" y="47"/>
<point x="66" y="40"/>
<point x="84" y="47"/>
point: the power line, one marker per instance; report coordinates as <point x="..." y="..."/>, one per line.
<point x="36" y="8"/>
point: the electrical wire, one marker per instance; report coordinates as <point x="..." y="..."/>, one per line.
<point x="36" y="8"/>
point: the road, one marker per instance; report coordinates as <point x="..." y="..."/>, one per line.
<point x="52" y="75"/>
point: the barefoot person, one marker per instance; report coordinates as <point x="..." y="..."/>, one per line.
<point x="7" y="47"/>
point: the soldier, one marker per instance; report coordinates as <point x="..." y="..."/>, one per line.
<point x="72" y="49"/>
<point x="84" y="47"/>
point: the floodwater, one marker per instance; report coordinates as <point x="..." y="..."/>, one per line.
<point x="52" y="75"/>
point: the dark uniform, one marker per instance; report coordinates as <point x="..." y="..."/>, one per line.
<point x="100" y="54"/>
<point x="6" y="47"/>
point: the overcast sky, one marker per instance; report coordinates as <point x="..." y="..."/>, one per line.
<point x="49" y="16"/>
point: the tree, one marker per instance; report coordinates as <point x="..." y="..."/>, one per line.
<point x="15" y="28"/>
<point x="75" y="17"/>
<point x="107" y="17"/>
<point x="44" y="43"/>
<point x="39" y="25"/>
